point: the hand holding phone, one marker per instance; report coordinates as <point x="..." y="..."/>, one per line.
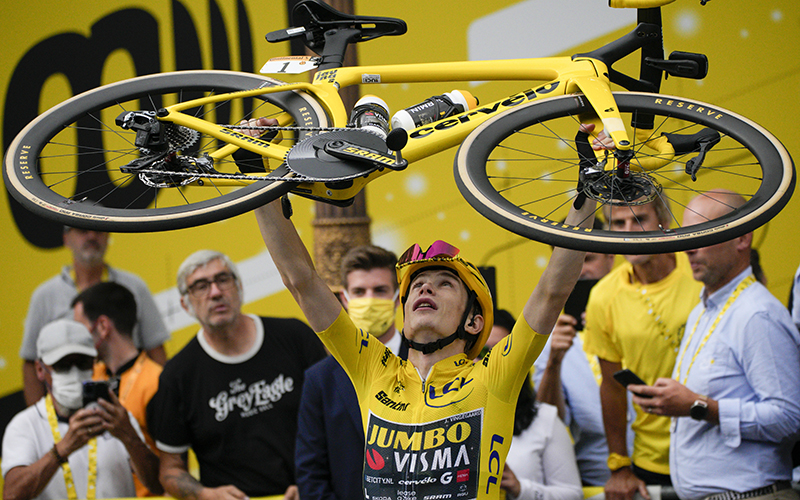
<point x="627" y="377"/>
<point x="94" y="390"/>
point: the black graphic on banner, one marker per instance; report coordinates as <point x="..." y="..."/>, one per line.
<point x="434" y="460"/>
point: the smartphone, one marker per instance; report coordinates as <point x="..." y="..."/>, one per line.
<point x="626" y="377"/>
<point x="576" y="302"/>
<point x="94" y="390"/>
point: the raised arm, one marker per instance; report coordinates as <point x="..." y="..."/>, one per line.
<point x="559" y="277"/>
<point x="562" y="272"/>
<point x="319" y="304"/>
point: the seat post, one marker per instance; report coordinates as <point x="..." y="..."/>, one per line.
<point x="654" y="49"/>
<point x="336" y="42"/>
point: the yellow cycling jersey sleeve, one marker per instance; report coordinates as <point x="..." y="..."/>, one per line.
<point x="447" y="434"/>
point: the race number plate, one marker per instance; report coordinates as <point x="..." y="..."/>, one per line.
<point x="290" y="65"/>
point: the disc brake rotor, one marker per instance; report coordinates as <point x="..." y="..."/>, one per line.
<point x="636" y="189"/>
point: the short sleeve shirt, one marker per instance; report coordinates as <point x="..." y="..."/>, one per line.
<point x="641" y="327"/>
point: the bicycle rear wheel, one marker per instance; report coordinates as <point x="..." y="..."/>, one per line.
<point x="65" y="165"/>
<point x="520" y="170"/>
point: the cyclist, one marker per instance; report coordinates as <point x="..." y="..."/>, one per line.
<point x="437" y="423"/>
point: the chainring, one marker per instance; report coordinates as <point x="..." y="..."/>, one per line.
<point x="309" y="159"/>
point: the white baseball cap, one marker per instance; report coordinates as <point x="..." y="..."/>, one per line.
<point x="62" y="338"/>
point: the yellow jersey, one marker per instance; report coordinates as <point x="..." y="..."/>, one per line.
<point x="446" y="435"/>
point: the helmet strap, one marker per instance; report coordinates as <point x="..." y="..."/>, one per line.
<point x="460" y="332"/>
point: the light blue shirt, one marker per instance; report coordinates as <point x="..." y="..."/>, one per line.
<point x="796" y="299"/>
<point x="751" y="366"/>
<point x="584" y="415"/>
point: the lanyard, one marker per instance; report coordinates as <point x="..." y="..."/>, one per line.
<point x="673" y="339"/>
<point x="739" y="289"/>
<point x="91" y="492"/>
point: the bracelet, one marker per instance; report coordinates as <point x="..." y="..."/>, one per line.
<point x="617" y="461"/>
<point x="59" y="458"/>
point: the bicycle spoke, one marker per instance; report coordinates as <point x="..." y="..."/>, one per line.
<point x="531" y="171"/>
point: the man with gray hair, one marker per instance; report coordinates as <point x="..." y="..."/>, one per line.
<point x="232" y="393"/>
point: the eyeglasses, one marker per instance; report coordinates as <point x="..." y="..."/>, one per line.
<point x="438" y="248"/>
<point x="201" y="287"/>
<point x="66" y="363"/>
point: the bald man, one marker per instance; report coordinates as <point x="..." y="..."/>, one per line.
<point x="735" y="389"/>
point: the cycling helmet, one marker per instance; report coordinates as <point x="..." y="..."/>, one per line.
<point x="443" y="255"/>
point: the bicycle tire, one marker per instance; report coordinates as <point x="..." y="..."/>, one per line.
<point x="517" y="170"/>
<point x="61" y="168"/>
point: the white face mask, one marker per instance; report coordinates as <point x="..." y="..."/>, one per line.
<point x="68" y="387"/>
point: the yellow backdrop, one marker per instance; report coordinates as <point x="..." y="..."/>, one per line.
<point x="752" y="47"/>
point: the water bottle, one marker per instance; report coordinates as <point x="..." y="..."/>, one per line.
<point x="372" y="115"/>
<point x="434" y="109"/>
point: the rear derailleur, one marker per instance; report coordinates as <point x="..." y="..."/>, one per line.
<point x="160" y="164"/>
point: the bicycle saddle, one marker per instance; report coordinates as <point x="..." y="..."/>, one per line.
<point x="313" y="18"/>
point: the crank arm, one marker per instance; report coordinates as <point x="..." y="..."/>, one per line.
<point x="344" y="150"/>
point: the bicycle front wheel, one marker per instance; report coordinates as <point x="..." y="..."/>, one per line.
<point x="520" y="170"/>
<point x="66" y="164"/>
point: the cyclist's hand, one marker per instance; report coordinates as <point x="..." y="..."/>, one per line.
<point x="623" y="485"/>
<point x="599" y="141"/>
<point x="247" y="161"/>
<point x="257" y="122"/>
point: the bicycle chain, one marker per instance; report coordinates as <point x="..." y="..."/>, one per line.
<point x="241" y="177"/>
<point x="298" y="178"/>
<point x="270" y="128"/>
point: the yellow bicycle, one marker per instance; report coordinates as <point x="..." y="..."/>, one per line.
<point x="157" y="152"/>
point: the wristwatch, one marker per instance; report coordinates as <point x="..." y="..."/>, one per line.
<point x="617" y="461"/>
<point x="699" y="409"/>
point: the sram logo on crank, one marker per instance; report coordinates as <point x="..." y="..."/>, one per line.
<point x="341" y="155"/>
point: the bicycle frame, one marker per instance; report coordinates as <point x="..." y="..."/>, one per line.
<point x="589" y="75"/>
<point x="564" y="76"/>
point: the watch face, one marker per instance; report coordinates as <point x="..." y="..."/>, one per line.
<point x="699" y="410"/>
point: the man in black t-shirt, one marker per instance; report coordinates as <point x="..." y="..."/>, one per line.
<point x="232" y="393"/>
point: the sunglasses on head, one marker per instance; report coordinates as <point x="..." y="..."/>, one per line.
<point x="438" y="248"/>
